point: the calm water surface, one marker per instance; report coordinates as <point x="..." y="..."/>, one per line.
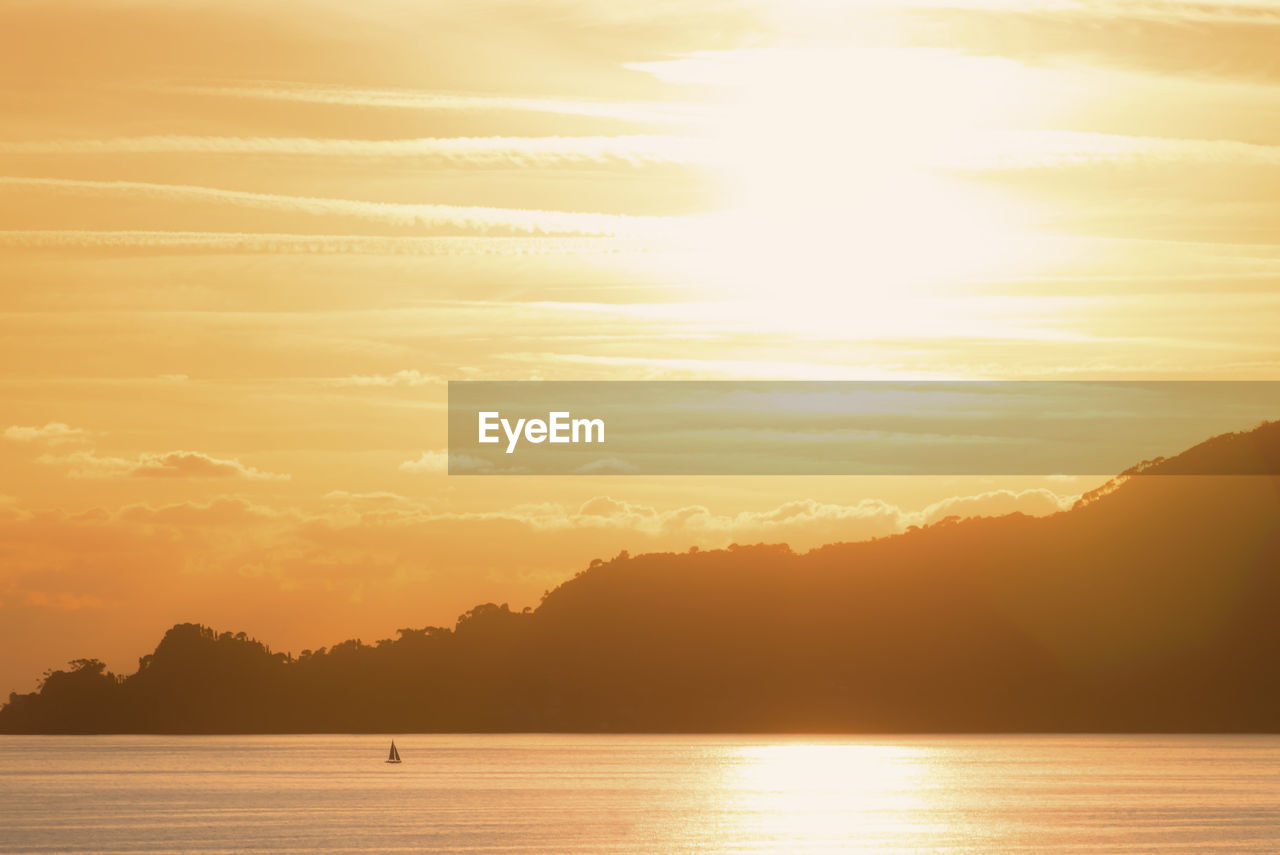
<point x="640" y="794"/>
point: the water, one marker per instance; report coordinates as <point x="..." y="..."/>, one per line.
<point x="640" y="794"/>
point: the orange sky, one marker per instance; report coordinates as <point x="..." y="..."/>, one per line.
<point x="244" y="246"/>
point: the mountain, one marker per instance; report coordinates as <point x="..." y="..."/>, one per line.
<point x="1149" y="606"/>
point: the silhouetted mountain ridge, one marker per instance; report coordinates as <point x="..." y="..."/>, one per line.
<point x="1147" y="607"/>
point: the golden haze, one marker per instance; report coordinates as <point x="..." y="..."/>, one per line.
<point x="243" y="247"/>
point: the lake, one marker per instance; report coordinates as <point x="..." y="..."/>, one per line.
<point x="640" y="794"/>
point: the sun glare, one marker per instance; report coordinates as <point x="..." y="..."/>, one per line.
<point x="813" y="794"/>
<point x="833" y="164"/>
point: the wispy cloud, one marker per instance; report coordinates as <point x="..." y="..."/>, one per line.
<point x="409" y="377"/>
<point x="279" y="242"/>
<point x="482" y="151"/>
<point x="53" y="433"/>
<point x="806" y="520"/>
<point x="169" y="464"/>
<point x="992" y="149"/>
<point x="379" y="497"/>
<point x="1034" y="502"/>
<point x="1245" y="11"/>
<point x="1026" y="149"/>
<point x="63" y="601"/>
<point x="429" y="462"/>
<point x="438" y="462"/>
<point x="416" y="99"/>
<point x="470" y="218"/>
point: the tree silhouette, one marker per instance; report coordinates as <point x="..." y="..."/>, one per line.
<point x="1149" y="606"/>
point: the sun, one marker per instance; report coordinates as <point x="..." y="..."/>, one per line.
<point x="840" y="186"/>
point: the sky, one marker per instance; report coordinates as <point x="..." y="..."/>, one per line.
<point x="244" y="246"/>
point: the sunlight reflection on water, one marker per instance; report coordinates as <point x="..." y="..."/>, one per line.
<point x="639" y="794"/>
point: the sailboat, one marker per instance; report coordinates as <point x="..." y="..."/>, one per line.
<point x="394" y="756"/>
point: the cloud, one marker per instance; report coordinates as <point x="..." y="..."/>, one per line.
<point x="222" y="511"/>
<point x="193" y="464"/>
<point x="378" y="497"/>
<point x="416" y="99"/>
<point x="169" y="464"/>
<point x="309" y="244"/>
<point x="389" y="537"/>
<point x="803" y="522"/>
<point x="1034" y="502"/>
<point x="53" y="433"/>
<point x="604" y="506"/>
<point x="632" y="149"/>
<point x="63" y="600"/>
<point x="1176" y="37"/>
<point x="379" y="561"/>
<point x="1031" y="149"/>
<point x="410" y="377"/>
<point x="606" y="466"/>
<point x="1239" y="11"/>
<point x="427" y="462"/>
<point x="469" y="218"/>
<point x="442" y="461"/>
